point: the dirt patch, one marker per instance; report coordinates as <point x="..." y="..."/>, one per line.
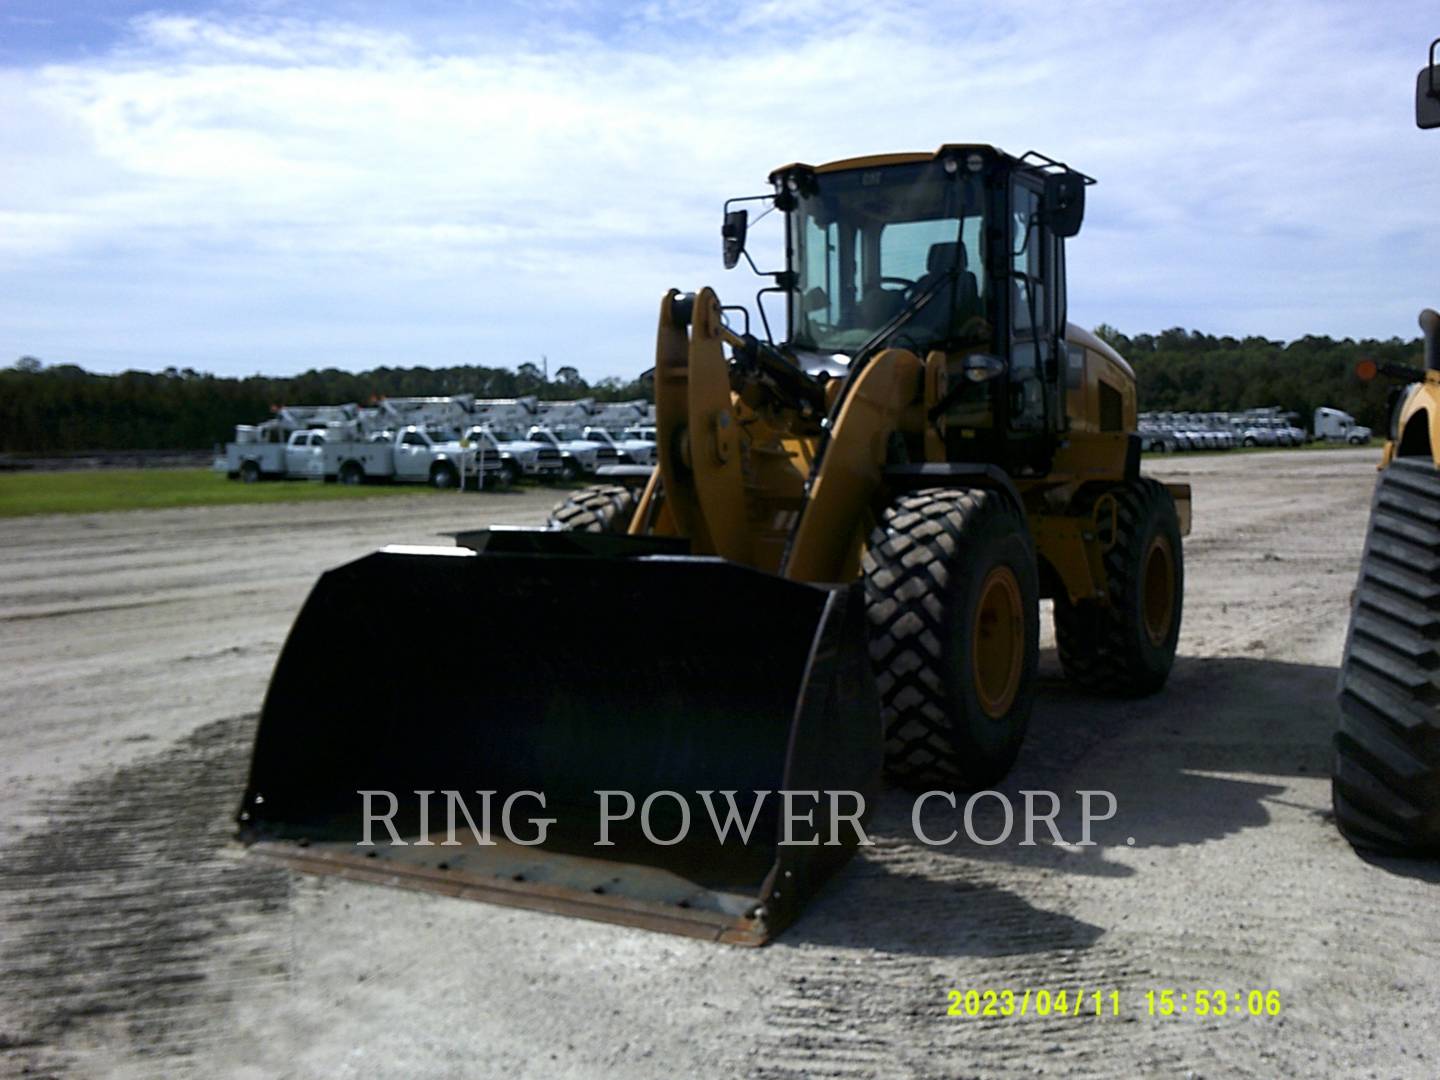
<point x="114" y="914"/>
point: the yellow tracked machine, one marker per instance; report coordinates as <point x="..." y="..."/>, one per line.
<point x="1386" y="783"/>
<point x="833" y="573"/>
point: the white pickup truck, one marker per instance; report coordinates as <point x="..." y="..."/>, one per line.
<point x="577" y="456"/>
<point x="410" y="455"/>
<point x="608" y="449"/>
<point x="627" y="451"/>
<point x="540" y="459"/>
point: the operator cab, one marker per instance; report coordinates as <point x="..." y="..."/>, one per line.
<point x="960" y="252"/>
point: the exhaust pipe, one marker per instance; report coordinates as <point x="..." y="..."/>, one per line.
<point x="1430" y="327"/>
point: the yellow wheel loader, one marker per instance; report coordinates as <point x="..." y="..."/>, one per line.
<point x="1387" y="748"/>
<point x="833" y="571"/>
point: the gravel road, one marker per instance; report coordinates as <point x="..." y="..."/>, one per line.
<point x="135" y="940"/>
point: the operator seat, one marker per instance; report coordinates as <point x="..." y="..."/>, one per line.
<point x="933" y="323"/>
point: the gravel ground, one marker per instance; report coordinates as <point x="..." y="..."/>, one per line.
<point x="135" y="940"/>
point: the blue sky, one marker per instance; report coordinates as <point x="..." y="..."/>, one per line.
<point x="258" y="186"/>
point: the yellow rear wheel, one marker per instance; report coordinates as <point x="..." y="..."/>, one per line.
<point x="1125" y="644"/>
<point x="1157" y="596"/>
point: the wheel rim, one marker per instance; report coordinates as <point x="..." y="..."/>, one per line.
<point x="1157" y="600"/>
<point x="998" y="643"/>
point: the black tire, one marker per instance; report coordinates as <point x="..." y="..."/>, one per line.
<point x="1250" y="441"/>
<point x="509" y="474"/>
<point x="569" y="471"/>
<point x="930" y="569"/>
<point x="602" y="508"/>
<point x="1387" y="747"/>
<point x="1126" y="645"/>
<point x="352" y="473"/>
<point x="249" y="472"/>
<point x="444" y="476"/>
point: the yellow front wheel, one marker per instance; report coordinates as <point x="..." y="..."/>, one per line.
<point x="951" y="595"/>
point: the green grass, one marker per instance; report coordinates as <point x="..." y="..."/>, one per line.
<point x="88" y="491"/>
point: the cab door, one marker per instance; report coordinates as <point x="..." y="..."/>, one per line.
<point x="1036" y="324"/>
<point x="412" y="456"/>
<point x="298" y="454"/>
<point x="1032" y="330"/>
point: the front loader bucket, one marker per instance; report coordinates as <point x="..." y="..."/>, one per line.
<point x="416" y="672"/>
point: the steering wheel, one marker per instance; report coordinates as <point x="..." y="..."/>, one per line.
<point x="906" y="285"/>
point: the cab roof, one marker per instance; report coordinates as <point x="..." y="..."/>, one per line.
<point x="875" y="161"/>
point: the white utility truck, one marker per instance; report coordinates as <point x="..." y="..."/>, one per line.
<point x="283" y="445"/>
<point x="411" y="455"/>
<point x="626" y="451"/>
<point x="577" y="456"/>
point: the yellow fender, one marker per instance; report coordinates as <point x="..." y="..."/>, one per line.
<point x="1424" y="399"/>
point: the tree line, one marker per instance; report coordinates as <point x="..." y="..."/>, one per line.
<point x="65" y="408"/>
<point x="1187" y="371"/>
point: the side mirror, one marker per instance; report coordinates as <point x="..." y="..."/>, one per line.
<point x="1064" y="202"/>
<point x="732" y="233"/>
<point x="1427" y="93"/>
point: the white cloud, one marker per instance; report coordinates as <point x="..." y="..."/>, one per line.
<point x="240" y="192"/>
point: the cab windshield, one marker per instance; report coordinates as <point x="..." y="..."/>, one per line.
<point x="869" y="241"/>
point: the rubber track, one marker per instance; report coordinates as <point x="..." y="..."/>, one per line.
<point x="1387" y="746"/>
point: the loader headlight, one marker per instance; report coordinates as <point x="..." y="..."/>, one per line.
<point x="982" y="367"/>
